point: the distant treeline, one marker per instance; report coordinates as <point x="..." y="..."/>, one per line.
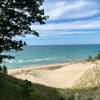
<point x="97" y="57"/>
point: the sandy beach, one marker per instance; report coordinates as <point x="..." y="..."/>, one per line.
<point x="62" y="75"/>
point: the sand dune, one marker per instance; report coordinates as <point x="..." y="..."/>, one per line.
<point x="56" y="75"/>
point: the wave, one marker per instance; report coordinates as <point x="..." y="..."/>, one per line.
<point x="29" y="60"/>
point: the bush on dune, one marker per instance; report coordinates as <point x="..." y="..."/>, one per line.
<point x="15" y="89"/>
<point x="98" y="55"/>
<point x="3" y="69"/>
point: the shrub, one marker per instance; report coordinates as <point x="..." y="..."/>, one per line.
<point x="71" y="97"/>
<point x="90" y="58"/>
<point x="62" y="98"/>
<point x="26" y="88"/>
<point x="0" y="69"/>
<point x="4" y="69"/>
<point x="90" y="99"/>
<point x="36" y="96"/>
<point x="98" y="55"/>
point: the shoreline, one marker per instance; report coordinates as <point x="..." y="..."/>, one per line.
<point x="37" y="65"/>
<point x="44" y="66"/>
<point x="63" y="75"/>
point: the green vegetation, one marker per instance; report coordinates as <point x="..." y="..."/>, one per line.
<point x="3" y="69"/>
<point x="15" y="89"/>
<point x="86" y="88"/>
<point x="0" y="69"/>
<point x="71" y="97"/>
<point x="83" y="94"/>
<point x="98" y="55"/>
<point x="91" y="78"/>
<point x="90" y="58"/>
<point x="16" y="17"/>
<point x="90" y="99"/>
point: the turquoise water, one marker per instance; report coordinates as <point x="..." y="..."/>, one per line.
<point x="41" y="55"/>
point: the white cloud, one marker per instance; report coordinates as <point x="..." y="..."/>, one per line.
<point x="60" y="9"/>
<point x="77" y="9"/>
<point x="64" y="33"/>
<point x="95" y="24"/>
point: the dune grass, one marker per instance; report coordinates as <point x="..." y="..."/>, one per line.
<point x="81" y="94"/>
<point x="15" y="89"/>
<point x="87" y="88"/>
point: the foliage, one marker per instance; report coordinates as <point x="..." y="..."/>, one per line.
<point x="71" y="97"/>
<point x="26" y="88"/>
<point x="16" y="17"/>
<point x="98" y="55"/>
<point x="0" y="69"/>
<point x="36" y="95"/>
<point x="4" y="69"/>
<point x="90" y="58"/>
<point x="15" y="89"/>
<point x="90" y="99"/>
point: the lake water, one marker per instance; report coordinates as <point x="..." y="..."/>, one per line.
<point x="50" y="54"/>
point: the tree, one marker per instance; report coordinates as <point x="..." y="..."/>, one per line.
<point x="4" y="69"/>
<point x="0" y="69"/>
<point x="98" y="55"/>
<point x="90" y="58"/>
<point x="71" y="97"/>
<point x="16" y="17"/>
<point x="26" y="89"/>
<point x="90" y="99"/>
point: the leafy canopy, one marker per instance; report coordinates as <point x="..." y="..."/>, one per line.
<point x="16" y="17"/>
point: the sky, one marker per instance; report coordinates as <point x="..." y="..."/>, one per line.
<point x="70" y="22"/>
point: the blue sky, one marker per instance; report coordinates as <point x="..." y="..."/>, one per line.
<point x="70" y="22"/>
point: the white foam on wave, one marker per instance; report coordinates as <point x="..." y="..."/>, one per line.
<point x="29" y="60"/>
